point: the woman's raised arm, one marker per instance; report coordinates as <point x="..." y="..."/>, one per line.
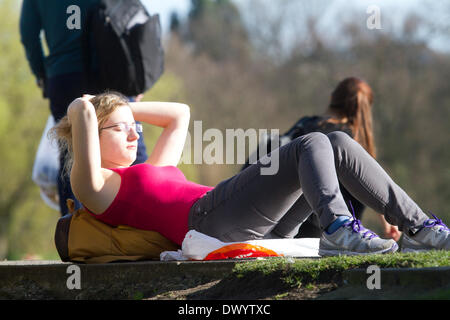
<point x="86" y="175"/>
<point x="174" y="118"/>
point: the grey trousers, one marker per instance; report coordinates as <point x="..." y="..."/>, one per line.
<point x="251" y="205"/>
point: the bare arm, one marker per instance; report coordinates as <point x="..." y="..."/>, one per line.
<point x="86" y="176"/>
<point x="174" y="118"/>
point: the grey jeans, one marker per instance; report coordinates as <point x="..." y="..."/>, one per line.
<point x="250" y="205"/>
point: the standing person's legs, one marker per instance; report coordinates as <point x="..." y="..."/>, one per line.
<point x="249" y="205"/>
<point x="62" y="90"/>
<point x="141" y="155"/>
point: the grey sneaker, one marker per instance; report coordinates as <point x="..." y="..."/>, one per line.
<point x="353" y="239"/>
<point x="433" y="235"/>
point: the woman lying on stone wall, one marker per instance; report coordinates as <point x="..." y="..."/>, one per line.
<point x="101" y="135"/>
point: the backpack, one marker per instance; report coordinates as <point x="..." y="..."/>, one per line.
<point x="80" y="237"/>
<point x="122" y="48"/>
<point x="303" y="126"/>
<point x="297" y="130"/>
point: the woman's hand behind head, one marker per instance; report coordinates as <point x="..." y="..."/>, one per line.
<point x="88" y="96"/>
<point x="78" y="104"/>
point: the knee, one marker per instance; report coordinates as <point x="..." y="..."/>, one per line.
<point x="339" y="139"/>
<point x="342" y="144"/>
<point x="312" y="138"/>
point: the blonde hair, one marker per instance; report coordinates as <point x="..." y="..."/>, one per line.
<point x="104" y="104"/>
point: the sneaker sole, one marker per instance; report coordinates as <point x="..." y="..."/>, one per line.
<point x="323" y="253"/>
<point x="414" y="246"/>
<point x="406" y="250"/>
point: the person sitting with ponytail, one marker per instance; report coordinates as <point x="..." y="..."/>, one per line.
<point x="349" y="111"/>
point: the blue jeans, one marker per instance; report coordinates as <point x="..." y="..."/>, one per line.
<point x="62" y="90"/>
<point x="252" y="206"/>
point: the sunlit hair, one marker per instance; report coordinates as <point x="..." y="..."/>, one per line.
<point x="353" y="99"/>
<point x="104" y="104"/>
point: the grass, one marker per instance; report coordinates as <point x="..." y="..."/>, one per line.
<point x="324" y="278"/>
<point x="305" y="272"/>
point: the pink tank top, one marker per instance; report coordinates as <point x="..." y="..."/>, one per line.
<point x="154" y="198"/>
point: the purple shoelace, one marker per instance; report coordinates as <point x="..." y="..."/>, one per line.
<point x="435" y="222"/>
<point x="358" y="227"/>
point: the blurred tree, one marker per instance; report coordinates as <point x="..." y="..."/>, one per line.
<point x="23" y="114"/>
<point x="174" y="22"/>
<point x="198" y="8"/>
<point x="214" y="27"/>
<point x="278" y="28"/>
<point x="274" y="88"/>
<point x="168" y="88"/>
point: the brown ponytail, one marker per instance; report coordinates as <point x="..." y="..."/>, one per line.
<point x="353" y="99"/>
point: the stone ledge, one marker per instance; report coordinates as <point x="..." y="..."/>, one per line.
<point x="395" y="284"/>
<point x="124" y="280"/>
<point x="135" y="280"/>
<point x="433" y="277"/>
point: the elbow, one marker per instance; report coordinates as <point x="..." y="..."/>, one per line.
<point x="180" y="115"/>
<point x="185" y="111"/>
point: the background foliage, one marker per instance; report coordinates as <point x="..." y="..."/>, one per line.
<point x="230" y="65"/>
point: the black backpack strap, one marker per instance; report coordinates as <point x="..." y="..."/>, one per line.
<point x="119" y="14"/>
<point x="130" y="62"/>
<point x="87" y="50"/>
<point x="298" y="129"/>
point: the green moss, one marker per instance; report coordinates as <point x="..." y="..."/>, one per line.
<point x="298" y="272"/>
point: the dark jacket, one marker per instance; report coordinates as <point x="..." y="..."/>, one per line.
<point x="54" y="17"/>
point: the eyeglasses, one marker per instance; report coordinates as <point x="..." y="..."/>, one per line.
<point x="123" y="126"/>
